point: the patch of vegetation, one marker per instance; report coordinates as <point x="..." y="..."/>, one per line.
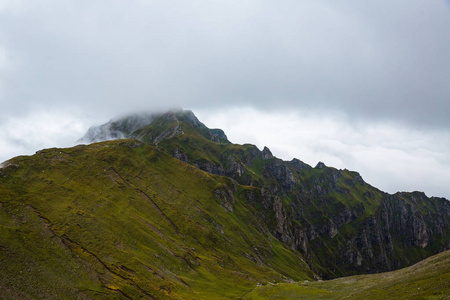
<point x="428" y="279"/>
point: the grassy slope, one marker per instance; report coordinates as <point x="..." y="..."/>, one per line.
<point x="121" y="219"/>
<point x="349" y="194"/>
<point x="428" y="279"/>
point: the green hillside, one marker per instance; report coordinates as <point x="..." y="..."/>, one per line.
<point x="122" y="219"/>
<point x="428" y="279"/>
<point x="341" y="224"/>
<point x="173" y="210"/>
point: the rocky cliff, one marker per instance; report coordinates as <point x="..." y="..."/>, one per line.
<point x="340" y="223"/>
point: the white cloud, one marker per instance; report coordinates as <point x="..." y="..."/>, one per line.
<point x="372" y="60"/>
<point x="11" y="6"/>
<point x="38" y="130"/>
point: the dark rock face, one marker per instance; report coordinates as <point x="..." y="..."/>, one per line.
<point x="281" y="173"/>
<point x="209" y="167"/>
<point x="320" y="165"/>
<point x="236" y="168"/>
<point x="218" y="135"/>
<point x="232" y="169"/>
<point x="298" y="164"/>
<point x="345" y="239"/>
<point x="266" y="154"/>
<point x="396" y="223"/>
<point x="370" y="246"/>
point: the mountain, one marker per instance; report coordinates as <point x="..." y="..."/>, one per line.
<point x="173" y="210"/>
<point x="123" y="219"/>
<point x="341" y="224"/>
<point x="163" y="126"/>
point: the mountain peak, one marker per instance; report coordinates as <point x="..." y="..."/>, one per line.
<point x="185" y="115"/>
<point x="266" y="153"/>
<point x="166" y="125"/>
<point x="181" y="115"/>
<point x="320" y="165"/>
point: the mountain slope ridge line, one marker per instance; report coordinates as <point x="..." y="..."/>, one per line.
<point x="302" y="187"/>
<point x="196" y="217"/>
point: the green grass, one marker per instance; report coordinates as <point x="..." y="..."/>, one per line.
<point x="124" y="219"/>
<point x="428" y="279"/>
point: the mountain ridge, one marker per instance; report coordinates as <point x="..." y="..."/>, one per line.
<point x="122" y="219"/>
<point x="177" y="211"/>
<point x="295" y="191"/>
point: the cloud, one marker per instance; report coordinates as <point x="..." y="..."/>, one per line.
<point x="378" y="60"/>
<point x="362" y="82"/>
<point x="38" y="130"/>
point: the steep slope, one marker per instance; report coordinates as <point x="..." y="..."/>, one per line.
<point x="122" y="219"/>
<point x="341" y="224"/>
<point x="428" y="279"/>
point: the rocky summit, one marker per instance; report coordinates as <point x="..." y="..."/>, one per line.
<point x="159" y="206"/>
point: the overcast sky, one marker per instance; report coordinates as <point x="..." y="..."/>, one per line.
<point x="363" y="85"/>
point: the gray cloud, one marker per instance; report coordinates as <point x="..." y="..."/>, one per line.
<point x="79" y="63"/>
<point x="384" y="60"/>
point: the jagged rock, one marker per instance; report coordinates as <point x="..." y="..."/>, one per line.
<point x="218" y="135"/>
<point x="298" y="164"/>
<point x="266" y="154"/>
<point x="266" y="198"/>
<point x="320" y="165"/>
<point x="282" y="174"/>
<point x="250" y="155"/>
<point x="300" y="241"/>
<point x="280" y="214"/>
<point x="236" y="168"/>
